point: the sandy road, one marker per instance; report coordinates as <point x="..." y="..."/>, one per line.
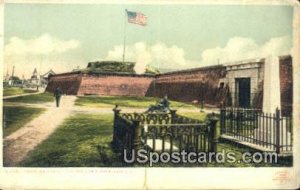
<point x="18" y="144"/>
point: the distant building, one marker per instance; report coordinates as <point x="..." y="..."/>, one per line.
<point x="45" y="78"/>
<point x="38" y="80"/>
<point x="34" y="80"/>
<point x="6" y="79"/>
<point x="12" y="80"/>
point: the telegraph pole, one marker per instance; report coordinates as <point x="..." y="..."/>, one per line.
<point x="124" y="35"/>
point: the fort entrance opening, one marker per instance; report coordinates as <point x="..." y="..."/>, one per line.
<point x="243" y="95"/>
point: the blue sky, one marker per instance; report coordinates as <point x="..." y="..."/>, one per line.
<point x="62" y="36"/>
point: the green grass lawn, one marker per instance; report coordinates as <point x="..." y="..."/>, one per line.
<point x="76" y="144"/>
<point x="238" y="150"/>
<point x="11" y="91"/>
<point x="16" y="117"/>
<point x="125" y="101"/>
<point x="194" y="115"/>
<point x="35" y="98"/>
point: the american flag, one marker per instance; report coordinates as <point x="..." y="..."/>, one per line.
<point x="137" y="18"/>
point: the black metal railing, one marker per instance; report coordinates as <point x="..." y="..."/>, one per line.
<point x="272" y="131"/>
<point x="163" y="132"/>
<point x="177" y="137"/>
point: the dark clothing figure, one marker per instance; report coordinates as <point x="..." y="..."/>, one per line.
<point x="164" y="102"/>
<point x="57" y="95"/>
<point x="162" y="106"/>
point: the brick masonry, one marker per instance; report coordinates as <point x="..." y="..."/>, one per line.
<point x="114" y="85"/>
<point x="286" y="84"/>
<point x="197" y="84"/>
<point x="201" y="84"/>
<point x="68" y="82"/>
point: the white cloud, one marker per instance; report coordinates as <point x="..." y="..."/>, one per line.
<point x="239" y="48"/>
<point x="26" y="65"/>
<point x="158" y="55"/>
<point x="163" y="56"/>
<point x="44" y="52"/>
<point x="41" y="45"/>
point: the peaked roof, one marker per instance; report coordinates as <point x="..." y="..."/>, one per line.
<point x="48" y="73"/>
<point x="34" y="72"/>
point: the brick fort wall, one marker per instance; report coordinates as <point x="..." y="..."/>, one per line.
<point x="201" y="84"/>
<point x="69" y="83"/>
<point x="114" y="85"/>
<point x="196" y="84"/>
<point x="286" y="84"/>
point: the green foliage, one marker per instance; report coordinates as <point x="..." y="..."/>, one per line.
<point x="125" y="101"/>
<point x="11" y="91"/>
<point x="115" y="67"/>
<point x="75" y="144"/>
<point x="35" y="98"/>
<point x="16" y="117"/>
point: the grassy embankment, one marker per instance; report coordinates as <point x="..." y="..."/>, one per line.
<point x="15" y="117"/>
<point x="138" y="102"/>
<point x="125" y="101"/>
<point x="11" y="91"/>
<point x="34" y="98"/>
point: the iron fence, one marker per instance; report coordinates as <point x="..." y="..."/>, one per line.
<point x="271" y="131"/>
<point x="163" y="132"/>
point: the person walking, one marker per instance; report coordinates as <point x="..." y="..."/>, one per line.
<point x="57" y="95"/>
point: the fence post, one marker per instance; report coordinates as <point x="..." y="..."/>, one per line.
<point x="202" y="106"/>
<point x="222" y="119"/>
<point x="136" y="134"/>
<point x="213" y="133"/>
<point x="115" y="125"/>
<point x="173" y="115"/>
<point x="238" y="121"/>
<point x="277" y="127"/>
<point x="231" y="117"/>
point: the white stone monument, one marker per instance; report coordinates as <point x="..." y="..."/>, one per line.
<point x="271" y="101"/>
<point x="271" y="94"/>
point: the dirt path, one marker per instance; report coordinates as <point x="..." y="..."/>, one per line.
<point x="18" y="144"/>
<point x="19" y="95"/>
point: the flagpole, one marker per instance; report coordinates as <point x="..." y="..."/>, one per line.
<point x="124" y="42"/>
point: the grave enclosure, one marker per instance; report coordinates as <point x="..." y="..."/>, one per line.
<point x="163" y="132"/>
<point x="170" y="132"/>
